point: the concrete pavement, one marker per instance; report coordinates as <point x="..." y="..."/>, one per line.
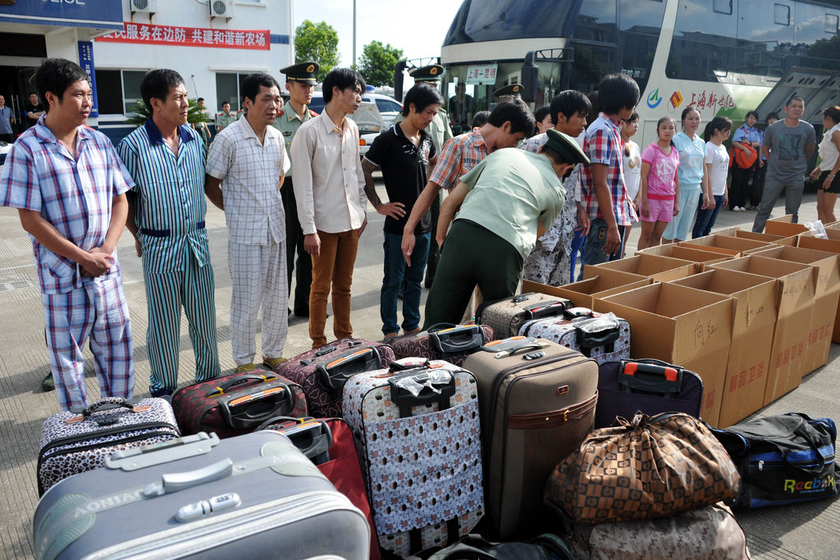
<point x="795" y="532"/>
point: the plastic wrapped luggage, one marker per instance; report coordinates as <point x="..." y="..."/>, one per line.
<point x="650" y="386"/>
<point x="330" y="445"/>
<point x="251" y="496"/>
<point x="507" y="316"/>
<point x="537" y="403"/>
<point x="600" y="336"/>
<point x="417" y="433"/>
<point x="708" y="533"/>
<point x="452" y="343"/>
<point x="322" y="372"/>
<point x="79" y="441"/>
<point x="237" y="404"/>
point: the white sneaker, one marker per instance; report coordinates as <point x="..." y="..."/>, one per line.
<point x="743" y="209"/>
<point x="736" y="209"/>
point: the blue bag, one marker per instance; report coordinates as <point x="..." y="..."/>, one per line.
<point x="782" y="459"/>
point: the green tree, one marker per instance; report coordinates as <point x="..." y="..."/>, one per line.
<point x="377" y="63"/>
<point x="317" y="42"/>
<point x="138" y="114"/>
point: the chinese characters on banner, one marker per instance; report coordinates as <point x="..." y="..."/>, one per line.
<point x="149" y="34"/>
<point x="481" y="74"/>
<point x="701" y="101"/>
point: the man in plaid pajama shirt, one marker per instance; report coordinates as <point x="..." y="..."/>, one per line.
<point x="69" y="185"/>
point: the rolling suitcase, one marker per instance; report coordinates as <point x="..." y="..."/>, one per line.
<point x="322" y="372"/>
<point x="651" y="386"/>
<point x="600" y="336"/>
<point x="452" y="343"/>
<point x="78" y="441"/>
<point x="507" y="316"/>
<point x="708" y="533"/>
<point x="537" y="404"/>
<point x="236" y="404"/>
<point x="417" y="433"/>
<point x="330" y="445"/>
<point x="251" y="496"/>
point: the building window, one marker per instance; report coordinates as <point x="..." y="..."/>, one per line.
<point x="228" y="88"/>
<point x="723" y="6"/>
<point x="118" y="90"/>
<point x="781" y="14"/>
<point x="831" y="21"/>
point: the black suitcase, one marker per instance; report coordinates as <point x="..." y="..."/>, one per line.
<point x="649" y="385"/>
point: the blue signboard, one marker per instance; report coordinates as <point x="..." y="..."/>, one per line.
<point x="86" y="62"/>
<point x="101" y="14"/>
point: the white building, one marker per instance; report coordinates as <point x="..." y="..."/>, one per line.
<point x="213" y="44"/>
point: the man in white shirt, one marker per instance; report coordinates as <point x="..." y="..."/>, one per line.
<point x="245" y="169"/>
<point x="330" y="191"/>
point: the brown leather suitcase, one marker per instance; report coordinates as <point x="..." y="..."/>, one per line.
<point x="537" y="403"/>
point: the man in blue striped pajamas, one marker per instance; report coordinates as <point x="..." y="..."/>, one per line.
<point x="245" y="170"/>
<point x="69" y="188"/>
<point x="166" y="216"/>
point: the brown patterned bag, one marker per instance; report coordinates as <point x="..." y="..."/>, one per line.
<point x="648" y="468"/>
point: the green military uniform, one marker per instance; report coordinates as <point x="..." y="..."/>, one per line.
<point x="509" y="92"/>
<point x="225" y="120"/>
<point x="440" y="131"/>
<point x="288" y="123"/>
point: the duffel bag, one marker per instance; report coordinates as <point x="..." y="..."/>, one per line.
<point x="644" y="469"/>
<point x="782" y="459"/>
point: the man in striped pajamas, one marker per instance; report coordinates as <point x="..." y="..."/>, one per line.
<point x="166" y="217"/>
<point x="69" y="188"/>
<point x="245" y="171"/>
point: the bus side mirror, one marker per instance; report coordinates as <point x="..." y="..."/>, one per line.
<point x="530" y="74"/>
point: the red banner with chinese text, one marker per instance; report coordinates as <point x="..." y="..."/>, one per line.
<point x="148" y="34"/>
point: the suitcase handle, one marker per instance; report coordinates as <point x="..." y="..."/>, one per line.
<point x="546" y="309"/>
<point x="336" y="373"/>
<point x="109" y="403"/>
<point x="246" y="412"/>
<point x="405" y="400"/>
<point x="576" y="312"/>
<point x="223" y="388"/>
<point x="652" y="376"/>
<point x="460" y="338"/>
<point x="176" y="482"/>
<point x="510" y="346"/>
<point x="313" y="437"/>
<point x="595" y="340"/>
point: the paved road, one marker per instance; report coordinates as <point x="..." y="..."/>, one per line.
<point x="797" y="532"/>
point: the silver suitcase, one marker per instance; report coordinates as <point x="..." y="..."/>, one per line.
<point x="252" y="496"/>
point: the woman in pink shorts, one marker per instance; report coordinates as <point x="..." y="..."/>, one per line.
<point x="660" y="186"/>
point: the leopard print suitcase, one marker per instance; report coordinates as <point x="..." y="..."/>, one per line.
<point x="78" y="441"/>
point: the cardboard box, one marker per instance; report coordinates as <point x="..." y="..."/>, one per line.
<point x="752" y="337"/>
<point x="660" y="269"/>
<point x="694" y="254"/>
<point x="584" y="292"/>
<point x="766" y="237"/>
<point x="734" y="246"/>
<point x="826" y="298"/>
<point x="831" y="245"/>
<point x="783" y="225"/>
<point x="794" y="305"/>
<point x="683" y="326"/>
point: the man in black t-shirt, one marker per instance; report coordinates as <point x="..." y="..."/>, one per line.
<point x="33" y="110"/>
<point x="403" y="153"/>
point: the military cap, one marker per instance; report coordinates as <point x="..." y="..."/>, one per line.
<point x="512" y="90"/>
<point x="566" y="146"/>
<point x="431" y="73"/>
<point x="303" y="72"/>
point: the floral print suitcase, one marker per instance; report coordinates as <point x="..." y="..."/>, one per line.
<point x="602" y="337"/>
<point x="418" y="436"/>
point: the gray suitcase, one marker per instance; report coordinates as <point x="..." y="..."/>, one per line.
<point x="252" y="496"/>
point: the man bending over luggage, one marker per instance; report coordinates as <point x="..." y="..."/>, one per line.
<point x="501" y="201"/>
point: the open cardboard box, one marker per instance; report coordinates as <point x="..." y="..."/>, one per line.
<point x="783" y="225"/>
<point x="766" y="237"/>
<point x="682" y="326"/>
<point x="826" y="297"/>
<point x="796" y="284"/>
<point x="660" y="269"/>
<point x="694" y="254"/>
<point x="734" y="246"/>
<point x="830" y="245"/>
<point x="584" y="292"/>
<point x="752" y="337"/>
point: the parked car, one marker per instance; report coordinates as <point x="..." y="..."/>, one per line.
<point x="375" y="115"/>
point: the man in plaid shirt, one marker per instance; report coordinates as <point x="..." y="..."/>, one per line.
<point x="69" y="185"/>
<point x="602" y="182"/>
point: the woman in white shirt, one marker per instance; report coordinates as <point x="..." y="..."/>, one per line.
<point x="829" y="183"/>
<point x="717" y="166"/>
<point x="632" y="164"/>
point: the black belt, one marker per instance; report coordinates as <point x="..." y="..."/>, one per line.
<point x="165" y="232"/>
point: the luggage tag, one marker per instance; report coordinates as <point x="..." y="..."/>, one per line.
<point x="510" y="346"/>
